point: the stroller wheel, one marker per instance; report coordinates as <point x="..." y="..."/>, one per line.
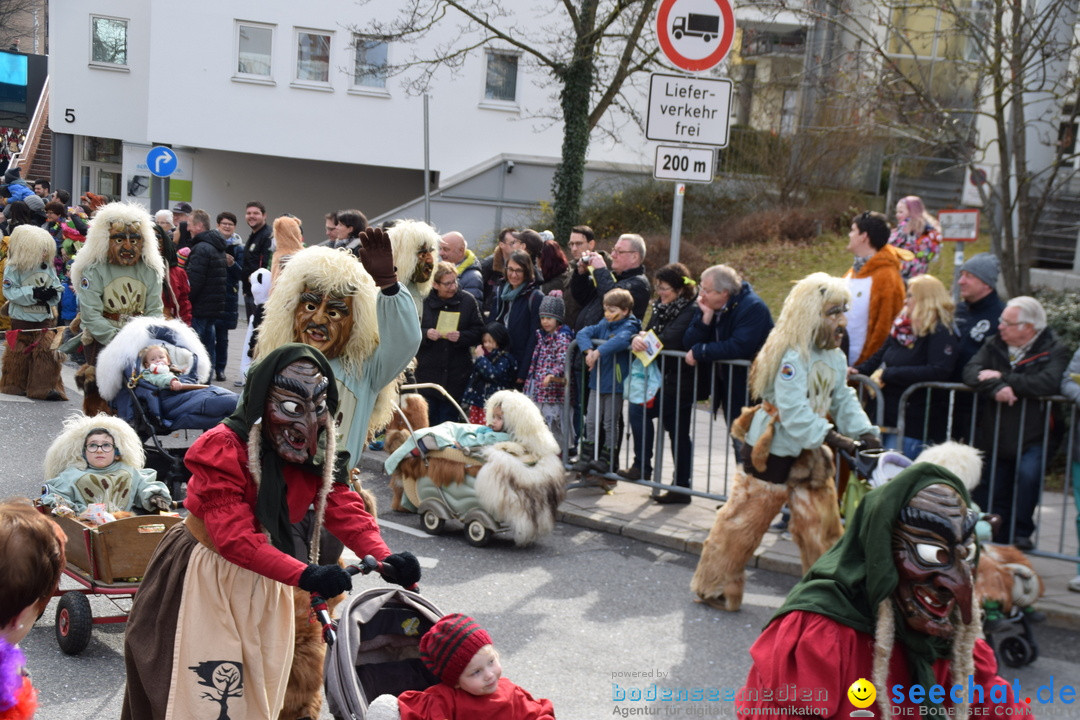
<point x="433" y="524"/>
<point x="1016" y="652"/>
<point x="74" y="621"/>
<point x="476" y="534"/>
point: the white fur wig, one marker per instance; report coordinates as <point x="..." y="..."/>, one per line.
<point x="29" y="247"/>
<point x="408" y="238"/>
<point x="525" y="496"/>
<point x="96" y="248"/>
<point x="963" y="461"/>
<point x="336" y="271"/>
<point x="67" y="449"/>
<point x="799" y="320"/>
<point x="119" y="355"/>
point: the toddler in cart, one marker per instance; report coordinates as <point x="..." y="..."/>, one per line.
<point x="460" y="653"/>
<point x="158" y="369"/>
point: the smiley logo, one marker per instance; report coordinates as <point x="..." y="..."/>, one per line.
<point x="862" y="694"/>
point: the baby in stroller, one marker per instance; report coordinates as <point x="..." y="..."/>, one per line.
<point x="99" y="459"/>
<point x="158" y="369"/>
<point x="461" y="654"/>
<point x="510" y="468"/>
<point x="148" y="406"/>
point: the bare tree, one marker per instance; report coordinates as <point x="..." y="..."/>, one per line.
<point x="979" y="81"/>
<point x="16" y="23"/>
<point x="589" y="48"/>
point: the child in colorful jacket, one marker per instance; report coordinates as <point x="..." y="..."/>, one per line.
<point x="494" y="369"/>
<point x="546" y="384"/>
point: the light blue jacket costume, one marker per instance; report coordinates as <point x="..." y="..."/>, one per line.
<point x="399" y="339"/>
<point x="19" y="291"/>
<point x="119" y="486"/>
<point x="118" y="290"/>
<point x="804" y="391"/>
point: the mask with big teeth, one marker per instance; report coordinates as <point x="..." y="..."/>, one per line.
<point x="933" y="545"/>
<point x="831" y="330"/>
<point x="425" y="265"/>
<point x="323" y="321"/>
<point x="295" y="411"/>
<point x="125" y="244"/>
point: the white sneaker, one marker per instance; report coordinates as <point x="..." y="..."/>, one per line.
<point x="1074" y="584"/>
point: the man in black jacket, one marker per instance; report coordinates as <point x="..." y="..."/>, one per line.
<point x="592" y="279"/>
<point x="257" y="252"/>
<point x="207" y="274"/>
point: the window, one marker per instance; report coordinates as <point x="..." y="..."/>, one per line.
<point x="312" y="57"/>
<point x="255" y="50"/>
<point x="501" y="84"/>
<point x="371" y="67"/>
<point x="108" y="40"/>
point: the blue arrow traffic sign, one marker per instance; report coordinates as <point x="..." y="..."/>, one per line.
<point x="161" y="161"/>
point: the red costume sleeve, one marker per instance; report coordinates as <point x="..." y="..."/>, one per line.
<point x="349" y="521"/>
<point x="222" y="494"/>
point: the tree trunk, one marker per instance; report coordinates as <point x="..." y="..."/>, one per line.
<point x="569" y="180"/>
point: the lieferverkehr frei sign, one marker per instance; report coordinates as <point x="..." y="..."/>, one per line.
<point x="688" y="109"/>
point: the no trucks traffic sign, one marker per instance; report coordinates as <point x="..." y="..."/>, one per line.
<point x="695" y="35"/>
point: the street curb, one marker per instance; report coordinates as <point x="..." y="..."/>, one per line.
<point x="678" y="533"/>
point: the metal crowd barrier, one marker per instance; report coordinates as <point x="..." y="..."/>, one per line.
<point x="714" y="456"/>
<point x="1055" y="513"/>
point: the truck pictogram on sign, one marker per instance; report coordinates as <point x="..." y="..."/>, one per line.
<point x="695" y="35"/>
<point x="705" y="27"/>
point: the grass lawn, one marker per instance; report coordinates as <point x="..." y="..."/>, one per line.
<point x="773" y="268"/>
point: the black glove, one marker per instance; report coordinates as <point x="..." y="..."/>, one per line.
<point x="870" y="441"/>
<point x="377" y="256"/>
<point x="840" y="442"/>
<point x="326" y="580"/>
<point x="401" y="568"/>
<point x="44" y="294"/>
<point x="157" y="502"/>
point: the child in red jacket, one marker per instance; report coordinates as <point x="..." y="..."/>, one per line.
<point x="459" y="652"/>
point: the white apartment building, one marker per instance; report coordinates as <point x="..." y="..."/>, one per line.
<point x="289" y="103"/>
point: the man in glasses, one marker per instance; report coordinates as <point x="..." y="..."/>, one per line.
<point x="1022" y="362"/>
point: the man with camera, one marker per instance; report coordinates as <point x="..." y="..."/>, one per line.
<point x="593" y="279"/>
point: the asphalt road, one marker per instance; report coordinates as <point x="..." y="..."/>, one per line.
<point x="571" y="615"/>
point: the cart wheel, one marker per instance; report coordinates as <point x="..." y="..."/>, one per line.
<point x="74" y="621"/>
<point x="1016" y="652"/>
<point x="476" y="534"/>
<point x="433" y="524"/>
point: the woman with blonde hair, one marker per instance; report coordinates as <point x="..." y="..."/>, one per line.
<point x="917" y="231"/>
<point x="923" y="346"/>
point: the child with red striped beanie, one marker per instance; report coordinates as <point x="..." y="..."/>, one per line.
<point x="460" y="653"/>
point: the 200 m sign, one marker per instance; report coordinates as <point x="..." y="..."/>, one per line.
<point x="684" y="164"/>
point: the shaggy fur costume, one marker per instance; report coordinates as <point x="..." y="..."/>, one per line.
<point x="119" y="355"/>
<point x="337" y="272"/>
<point x="524" y="496"/>
<point x="409" y="238"/>
<point x="67" y="449"/>
<point x="744" y="519"/>
<point x="412" y="413"/>
<point x="31" y="366"/>
<point x="96" y="251"/>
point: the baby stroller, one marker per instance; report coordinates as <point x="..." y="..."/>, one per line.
<point x="154" y="411"/>
<point x="377" y="649"/>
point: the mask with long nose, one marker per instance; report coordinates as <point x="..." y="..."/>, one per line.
<point x="323" y="321"/>
<point x="934" y="547"/>
<point x="295" y="411"/>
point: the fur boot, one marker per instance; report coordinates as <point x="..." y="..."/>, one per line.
<point x="43" y="380"/>
<point x="303" y="693"/>
<point x="815" y="512"/>
<point x="16" y="365"/>
<point x="1005" y="576"/>
<point x="736" y="533"/>
<point x="525" y="497"/>
<point x="93" y="403"/>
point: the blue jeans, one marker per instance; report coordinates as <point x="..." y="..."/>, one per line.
<point x="205" y="329"/>
<point x="1025" y="476"/>
<point x="912" y="445"/>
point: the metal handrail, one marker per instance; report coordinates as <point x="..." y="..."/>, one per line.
<point x="35" y="130"/>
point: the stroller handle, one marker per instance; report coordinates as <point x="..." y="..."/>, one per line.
<point x="318" y="603"/>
